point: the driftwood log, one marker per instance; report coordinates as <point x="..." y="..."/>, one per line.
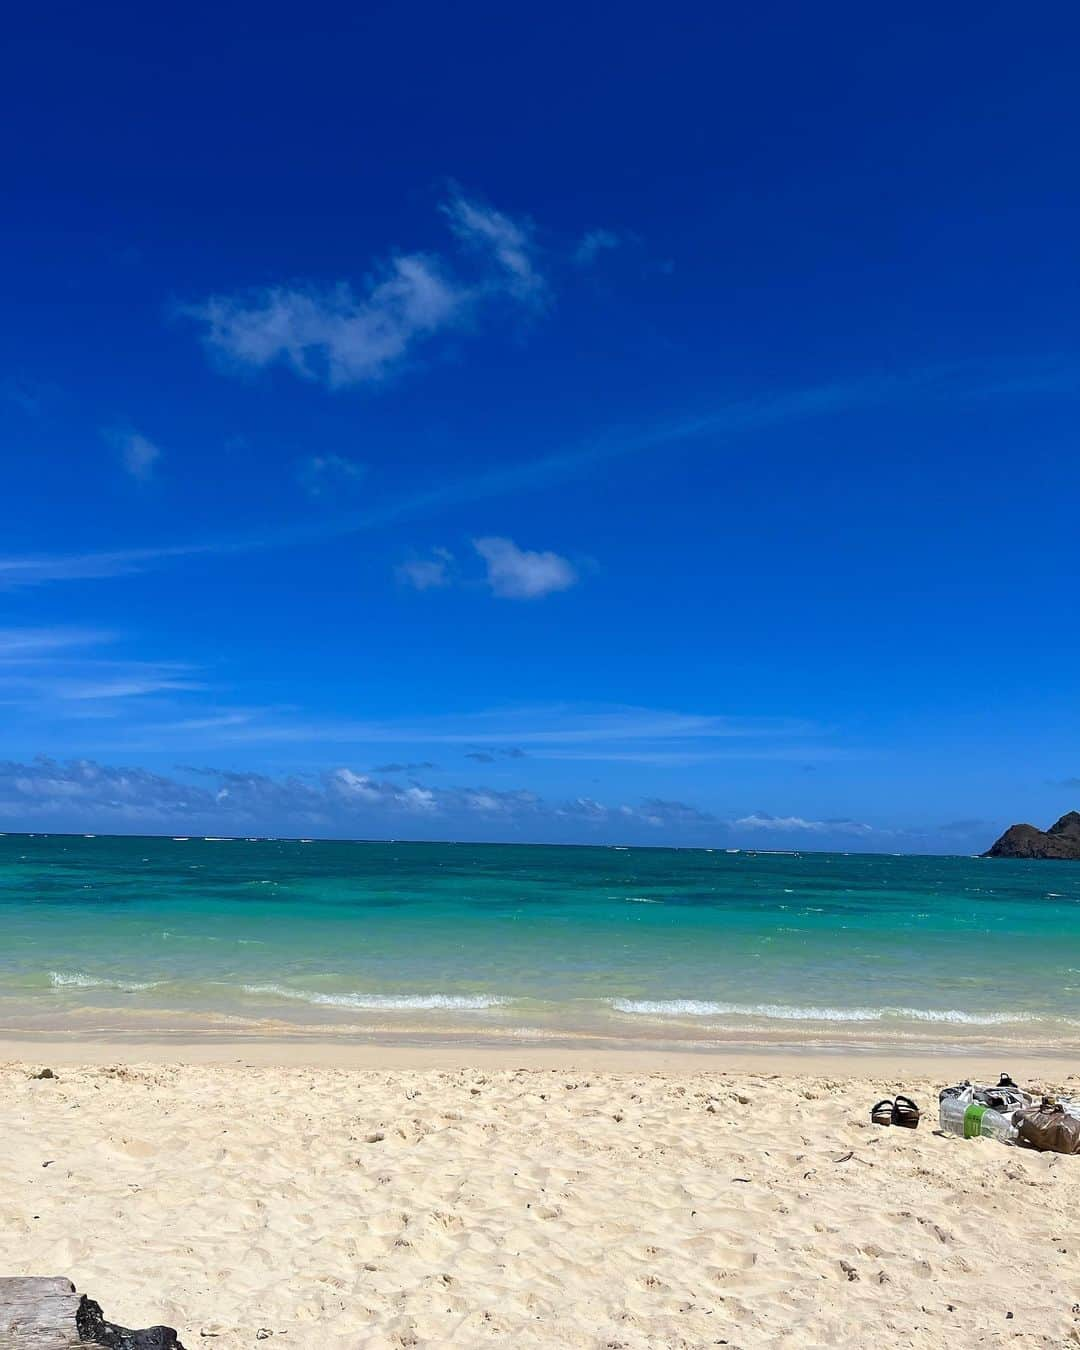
<point x="47" y="1314"/>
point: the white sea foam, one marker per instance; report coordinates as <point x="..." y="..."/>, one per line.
<point x="691" y="1007"/>
<point x="384" y="1002"/>
<point x="75" y="979"/>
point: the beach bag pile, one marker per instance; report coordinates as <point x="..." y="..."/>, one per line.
<point x="1005" y="1098"/>
<point x="1049" y="1126"/>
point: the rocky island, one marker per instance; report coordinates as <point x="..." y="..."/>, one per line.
<point x="1060" y="841"/>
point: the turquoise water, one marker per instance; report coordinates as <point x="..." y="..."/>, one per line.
<point x="504" y="941"/>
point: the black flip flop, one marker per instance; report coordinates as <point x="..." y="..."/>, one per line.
<point x="906" y="1113"/>
<point x="882" y="1113"/>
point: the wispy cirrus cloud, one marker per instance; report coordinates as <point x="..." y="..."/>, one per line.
<point x="56" y="672"/>
<point x="683" y="756"/>
<point x="344" y="335"/>
<point x="552" y="733"/>
<point x="734" y="419"/>
<point x="39" y="569"/>
<point x="33" y="644"/>
<point x="132" y="679"/>
<point x="44" y="667"/>
<point x="34" y="570"/>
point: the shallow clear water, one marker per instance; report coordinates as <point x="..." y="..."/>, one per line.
<point x="504" y="940"/>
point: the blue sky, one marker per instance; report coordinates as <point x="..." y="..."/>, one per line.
<point x="601" y="425"/>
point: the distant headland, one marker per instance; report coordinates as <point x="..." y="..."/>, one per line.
<point x="1060" y="841"/>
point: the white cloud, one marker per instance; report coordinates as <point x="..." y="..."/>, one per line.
<point x="338" y="336"/>
<point x="358" y="787"/>
<point x="86" y="794"/>
<point x="592" y="243"/>
<point x="333" y="335"/>
<point x="46" y="790"/>
<point x="761" y="820"/>
<point x="139" y="455"/>
<point x="512" y="573"/>
<point x="484" y="228"/>
<point x="425" y="574"/>
<point x="519" y="574"/>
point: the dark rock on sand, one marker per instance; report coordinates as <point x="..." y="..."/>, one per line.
<point x="1060" y="841"/>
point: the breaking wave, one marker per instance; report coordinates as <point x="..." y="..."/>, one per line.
<point x="690" y="1007"/>
<point x="384" y="1002"/>
<point x="75" y="979"/>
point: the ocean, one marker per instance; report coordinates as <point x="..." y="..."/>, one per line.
<point x="502" y="943"/>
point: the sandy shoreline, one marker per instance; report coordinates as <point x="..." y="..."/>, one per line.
<point x="420" y="1055"/>
<point x="367" y="1196"/>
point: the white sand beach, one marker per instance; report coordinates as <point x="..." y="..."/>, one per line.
<point x="397" y="1199"/>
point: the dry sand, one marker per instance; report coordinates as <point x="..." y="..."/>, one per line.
<point x="742" y="1203"/>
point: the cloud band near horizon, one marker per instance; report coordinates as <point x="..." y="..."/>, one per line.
<point x="85" y="794"/>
